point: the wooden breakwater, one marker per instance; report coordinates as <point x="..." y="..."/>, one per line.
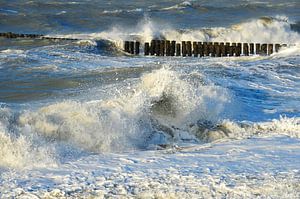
<point x="11" y="35"/>
<point x="200" y="49"/>
<point x="173" y="48"/>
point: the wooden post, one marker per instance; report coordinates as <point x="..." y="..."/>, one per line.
<point x="222" y="49"/>
<point x="152" y="47"/>
<point x="157" y="47"/>
<point x="227" y="49"/>
<point x="195" y="49"/>
<point x="233" y="45"/>
<point x="200" y="49"/>
<point x="168" y="48"/>
<point x="205" y="49"/>
<point x="162" y="48"/>
<point x="251" y="48"/>
<point x="146" y="49"/>
<point x="183" y="48"/>
<point x="270" y="49"/>
<point x="178" y="48"/>
<point x="211" y="49"/>
<point x="217" y="49"/>
<point x="137" y="47"/>
<point x="264" y="49"/>
<point x="245" y="49"/>
<point x="189" y="48"/>
<point x="277" y="47"/>
<point x="215" y="44"/>
<point x="173" y="45"/>
<point x="131" y="47"/>
<point x="257" y="49"/>
<point x="126" y="46"/>
<point x="239" y="49"/>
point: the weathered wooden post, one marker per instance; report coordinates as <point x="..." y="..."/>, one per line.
<point x="257" y="49"/>
<point x="126" y="46"/>
<point x="168" y="48"/>
<point x="246" y="49"/>
<point x="222" y="49"/>
<point x="270" y="49"/>
<point x="137" y="47"/>
<point x="157" y="47"/>
<point x="178" y="53"/>
<point x="195" y="49"/>
<point x="146" y="49"/>
<point x="227" y="49"/>
<point x="200" y="49"/>
<point x="277" y="47"/>
<point x="239" y="49"/>
<point x="205" y="49"/>
<point x="162" y="48"/>
<point x="211" y="49"/>
<point x="183" y="48"/>
<point x="217" y="49"/>
<point x="215" y="44"/>
<point x="152" y="47"/>
<point x="251" y="48"/>
<point x="264" y="49"/>
<point x="233" y="45"/>
<point x="131" y="47"/>
<point x="173" y="46"/>
<point x="189" y="48"/>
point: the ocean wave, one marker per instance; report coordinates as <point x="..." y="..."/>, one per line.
<point x="179" y="6"/>
<point x="121" y="11"/>
<point x="161" y="107"/>
<point x="8" y="11"/>
<point x="263" y="30"/>
<point x="12" y="51"/>
<point x="18" y="150"/>
<point x="160" y="99"/>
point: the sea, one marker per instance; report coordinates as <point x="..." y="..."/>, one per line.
<point x="83" y="119"/>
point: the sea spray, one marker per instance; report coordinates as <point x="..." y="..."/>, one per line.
<point x="17" y="150"/>
<point x="276" y="29"/>
<point x="162" y="97"/>
<point x="161" y="107"/>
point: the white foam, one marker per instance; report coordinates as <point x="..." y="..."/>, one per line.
<point x="124" y="120"/>
<point x="179" y="6"/>
<point x="268" y="168"/>
<point x="282" y="126"/>
<point x="120" y="11"/>
<point x="18" y="151"/>
<point x="12" y="51"/>
<point x="263" y="30"/>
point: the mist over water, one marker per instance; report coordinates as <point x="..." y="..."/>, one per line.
<point x="61" y="100"/>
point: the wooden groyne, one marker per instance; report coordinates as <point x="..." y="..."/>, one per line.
<point x="173" y="48"/>
<point x="201" y="49"/>
<point x="11" y="35"/>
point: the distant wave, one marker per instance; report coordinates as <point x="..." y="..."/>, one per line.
<point x="121" y="11"/>
<point x="179" y="6"/>
<point x="8" y="11"/>
<point x="12" y="51"/>
<point x="262" y="30"/>
<point x="265" y="29"/>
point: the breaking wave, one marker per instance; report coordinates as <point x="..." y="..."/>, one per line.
<point x="263" y="30"/>
<point x="160" y="100"/>
<point x="160" y="108"/>
<point x="20" y="150"/>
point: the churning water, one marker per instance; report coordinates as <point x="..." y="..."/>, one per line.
<point x="63" y="99"/>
